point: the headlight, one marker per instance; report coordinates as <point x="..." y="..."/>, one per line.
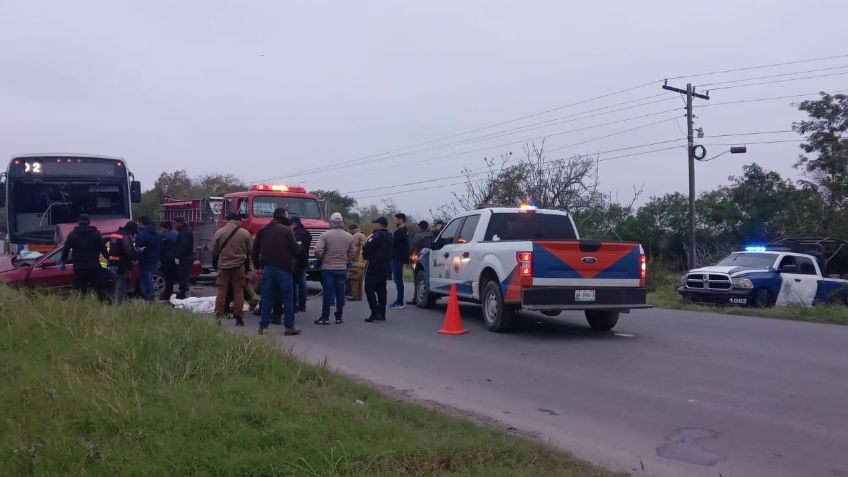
<point x="683" y="280"/>
<point x="742" y="283"/>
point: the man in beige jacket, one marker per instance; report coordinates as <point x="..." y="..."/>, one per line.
<point x="356" y="272"/>
<point x="335" y="251"/>
<point x="231" y="246"/>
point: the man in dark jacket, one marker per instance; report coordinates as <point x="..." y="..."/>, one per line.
<point x="274" y="252"/>
<point x="184" y="254"/>
<point x="423" y="239"/>
<point x="149" y="242"/>
<point x="87" y="246"/>
<point x="301" y="263"/>
<point x="378" y="252"/>
<point x="400" y="257"/>
<point x="168" y="256"/>
<point x="122" y="253"/>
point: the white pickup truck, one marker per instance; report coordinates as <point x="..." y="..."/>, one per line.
<point x="513" y="258"/>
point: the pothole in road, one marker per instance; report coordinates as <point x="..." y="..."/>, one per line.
<point x="686" y="446"/>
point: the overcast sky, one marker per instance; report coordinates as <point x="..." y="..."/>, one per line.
<point x="266" y="89"/>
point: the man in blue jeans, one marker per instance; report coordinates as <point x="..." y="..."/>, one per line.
<point x="335" y="250"/>
<point x="400" y="257"/>
<point x="274" y="251"/>
<point x="148" y="241"/>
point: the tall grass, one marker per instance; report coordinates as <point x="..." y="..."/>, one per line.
<point x="87" y="389"/>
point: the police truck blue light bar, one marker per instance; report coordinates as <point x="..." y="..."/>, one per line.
<point x="755" y="248"/>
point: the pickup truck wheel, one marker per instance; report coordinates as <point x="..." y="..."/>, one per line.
<point x="602" y="320"/>
<point x="499" y="316"/>
<point x="762" y="298"/>
<point x="423" y="297"/>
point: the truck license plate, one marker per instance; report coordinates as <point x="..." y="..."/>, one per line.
<point x="584" y="295"/>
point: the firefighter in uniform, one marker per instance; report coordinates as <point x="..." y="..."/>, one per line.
<point x="122" y="253"/>
<point x="357" y="268"/>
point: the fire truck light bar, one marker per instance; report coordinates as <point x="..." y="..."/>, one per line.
<point x="277" y="188"/>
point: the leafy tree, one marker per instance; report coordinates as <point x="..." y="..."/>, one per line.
<point x="179" y="185"/>
<point x="825" y="161"/>
<point x="338" y="202"/>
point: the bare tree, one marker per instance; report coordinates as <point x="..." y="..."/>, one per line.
<point x="569" y="184"/>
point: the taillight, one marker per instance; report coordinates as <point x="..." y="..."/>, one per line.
<point x="525" y="264"/>
<point x="643" y="270"/>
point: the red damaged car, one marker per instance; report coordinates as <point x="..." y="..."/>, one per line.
<point x="43" y="272"/>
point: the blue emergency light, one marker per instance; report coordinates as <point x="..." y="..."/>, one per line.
<point x="755" y="248"/>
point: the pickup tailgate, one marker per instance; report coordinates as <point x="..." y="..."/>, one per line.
<point x="585" y="274"/>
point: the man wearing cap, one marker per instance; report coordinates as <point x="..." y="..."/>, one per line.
<point x="87" y="246"/>
<point x="378" y="252"/>
<point x="231" y="245"/>
<point x="274" y="252"/>
<point x="301" y="263"/>
<point x="335" y="251"/>
<point x="423" y="239"/>
<point x="184" y="254"/>
<point x="437" y="227"/>
<point x="356" y="272"/>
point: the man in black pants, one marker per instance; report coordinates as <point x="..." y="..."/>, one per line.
<point x="378" y="252"/>
<point x="87" y="246"/>
<point x="184" y="254"/>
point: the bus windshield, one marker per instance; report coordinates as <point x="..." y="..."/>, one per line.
<point x="263" y="206"/>
<point x="45" y="191"/>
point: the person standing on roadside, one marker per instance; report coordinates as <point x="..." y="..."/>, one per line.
<point x="231" y="245"/>
<point x="149" y="242"/>
<point x="122" y="253"/>
<point x="167" y="257"/>
<point x="84" y="246"/>
<point x="378" y="252"/>
<point x="274" y="253"/>
<point x="437" y="227"/>
<point x="400" y="257"/>
<point x="335" y="250"/>
<point x="184" y="255"/>
<point x="357" y="267"/>
<point x="423" y="239"/>
<point x="301" y="263"/>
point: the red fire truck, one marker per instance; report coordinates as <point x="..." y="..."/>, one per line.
<point x="255" y="206"/>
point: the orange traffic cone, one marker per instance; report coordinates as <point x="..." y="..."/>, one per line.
<point x="453" y="322"/>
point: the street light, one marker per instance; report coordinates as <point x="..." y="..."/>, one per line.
<point x="732" y="150"/>
<point x="699" y="152"/>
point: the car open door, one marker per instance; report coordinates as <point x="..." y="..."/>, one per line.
<point x="46" y="274"/>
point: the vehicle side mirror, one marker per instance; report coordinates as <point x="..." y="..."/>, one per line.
<point x="135" y="192"/>
<point x="788" y="269"/>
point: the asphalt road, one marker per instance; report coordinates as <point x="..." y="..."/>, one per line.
<point x="676" y="393"/>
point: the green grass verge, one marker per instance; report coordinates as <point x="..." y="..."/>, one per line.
<point x="144" y="390"/>
<point x="835" y="314"/>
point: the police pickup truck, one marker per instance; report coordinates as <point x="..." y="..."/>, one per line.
<point x="760" y="277"/>
<point x="513" y="258"/>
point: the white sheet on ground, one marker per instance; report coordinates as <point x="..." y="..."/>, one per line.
<point x="196" y="304"/>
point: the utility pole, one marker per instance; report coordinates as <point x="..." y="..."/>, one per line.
<point x="690" y="151"/>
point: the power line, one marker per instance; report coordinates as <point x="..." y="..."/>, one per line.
<point x="750" y="133"/>
<point x="537" y="138"/>
<point x="577" y="103"/>
<point x="754" y="100"/>
<point x="777" y="141"/>
<point x="741" y="80"/>
<point x="485" y="170"/>
<point x="779" y="81"/>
